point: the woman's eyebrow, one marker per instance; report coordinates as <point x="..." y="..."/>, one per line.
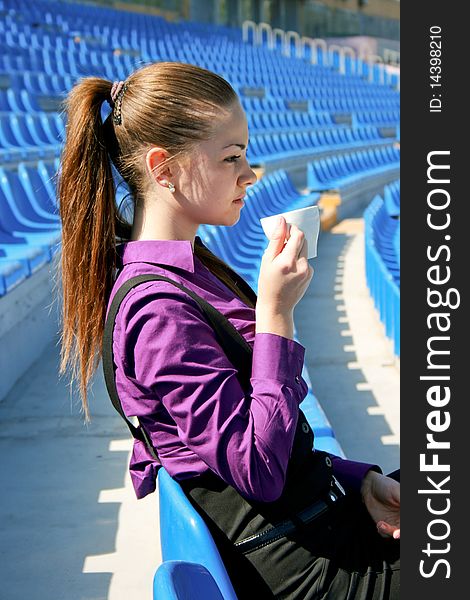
<point x="242" y="146"/>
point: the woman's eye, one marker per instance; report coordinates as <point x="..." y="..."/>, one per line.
<point x="233" y="158"/>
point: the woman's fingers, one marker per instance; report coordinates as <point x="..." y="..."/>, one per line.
<point x="288" y="226"/>
<point x="386" y="530"/>
<point x="276" y="241"/>
<point x="304" y="249"/>
<point x="296" y="245"/>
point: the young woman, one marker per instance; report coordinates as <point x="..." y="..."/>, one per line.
<point x="290" y="521"/>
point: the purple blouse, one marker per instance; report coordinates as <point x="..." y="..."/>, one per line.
<point x="173" y="375"/>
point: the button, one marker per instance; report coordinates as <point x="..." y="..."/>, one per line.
<point x="305" y="427"/>
<point x="328" y="461"/>
<point x="297" y="379"/>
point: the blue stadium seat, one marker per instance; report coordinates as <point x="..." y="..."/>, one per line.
<point x="17" y="224"/>
<point x="392" y="198"/>
<point x="329" y="443"/>
<point x="9" y="141"/>
<point x="181" y="580"/>
<point x="351" y="167"/>
<point x="40" y="193"/>
<point x="12" y="272"/>
<point x="31" y="258"/>
<point x="382" y="251"/>
<point x="185" y="536"/>
<point x="29" y="210"/>
<point x="23" y="135"/>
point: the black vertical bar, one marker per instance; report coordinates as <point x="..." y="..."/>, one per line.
<point x="434" y="291"/>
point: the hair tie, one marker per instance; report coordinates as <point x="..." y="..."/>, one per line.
<point x="117" y="92"/>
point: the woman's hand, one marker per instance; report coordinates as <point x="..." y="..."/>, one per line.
<point x="381" y="495"/>
<point x="285" y="273"/>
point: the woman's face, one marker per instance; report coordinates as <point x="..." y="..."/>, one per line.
<point x="217" y="173"/>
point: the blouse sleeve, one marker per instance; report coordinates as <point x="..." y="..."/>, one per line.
<point x="350" y="473"/>
<point x="246" y="438"/>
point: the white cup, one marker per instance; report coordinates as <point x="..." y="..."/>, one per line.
<point x="306" y="219"/>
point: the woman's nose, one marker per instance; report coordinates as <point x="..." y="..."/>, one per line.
<point x="249" y="176"/>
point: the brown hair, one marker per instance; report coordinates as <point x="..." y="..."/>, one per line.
<point x="169" y="104"/>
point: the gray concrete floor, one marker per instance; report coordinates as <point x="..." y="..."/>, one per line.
<point x="70" y="526"/>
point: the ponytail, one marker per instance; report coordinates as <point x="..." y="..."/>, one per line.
<point x="88" y="213"/>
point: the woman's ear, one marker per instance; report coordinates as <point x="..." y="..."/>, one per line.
<point x="154" y="160"/>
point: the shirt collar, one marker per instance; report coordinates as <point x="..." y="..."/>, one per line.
<point x="176" y="253"/>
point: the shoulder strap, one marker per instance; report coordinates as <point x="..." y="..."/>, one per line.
<point x="234" y="344"/>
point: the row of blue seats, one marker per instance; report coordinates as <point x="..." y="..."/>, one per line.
<point x="26" y="136"/>
<point x="74" y="64"/>
<point x="29" y="221"/>
<point x="337" y="99"/>
<point x="30" y="42"/>
<point x="271" y="103"/>
<point x="258" y="121"/>
<point x="69" y="17"/>
<point x="308" y="76"/>
<point x="60" y="72"/>
<point x="356" y="90"/>
<point x="386" y="230"/>
<point x="61" y="55"/>
<point x="59" y="75"/>
<point x="355" y="84"/>
<point x="339" y="103"/>
<point x="286" y="72"/>
<point x="66" y="66"/>
<point x="37" y="41"/>
<point x="319" y="87"/>
<point x="376" y="116"/>
<point x="267" y="103"/>
<point x="18" y="101"/>
<point x="392" y="198"/>
<point x="26" y="86"/>
<point x="11" y="63"/>
<point x="340" y="170"/>
<point x="41" y="84"/>
<point x="355" y="104"/>
<point x="67" y="46"/>
<point x="39" y="135"/>
<point x="382" y="257"/>
<point x="265" y="147"/>
<point x="121" y="29"/>
<point x="61" y="17"/>
<point x="37" y="56"/>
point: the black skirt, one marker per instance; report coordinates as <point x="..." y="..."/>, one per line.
<point x="336" y="555"/>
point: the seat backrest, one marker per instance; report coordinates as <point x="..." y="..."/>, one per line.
<point x="185" y="536"/>
<point x="181" y="580"/>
